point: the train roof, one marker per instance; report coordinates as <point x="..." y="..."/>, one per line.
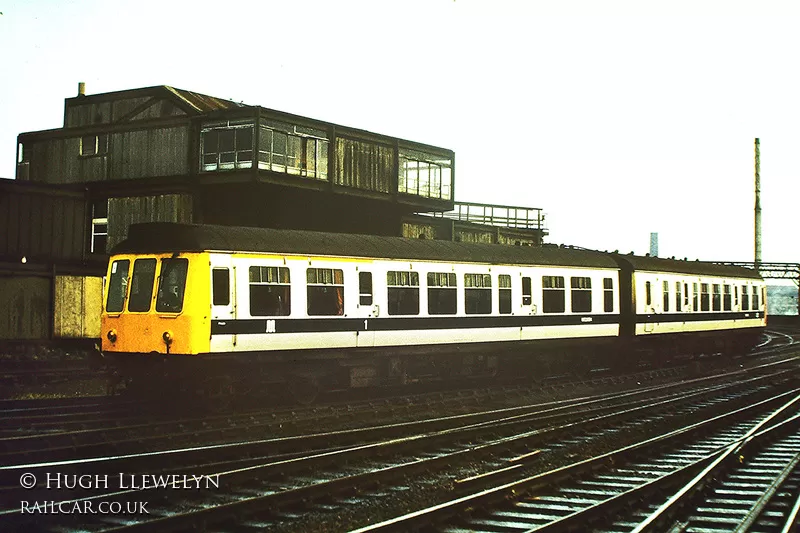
<point x="703" y="268"/>
<point x="161" y="237"/>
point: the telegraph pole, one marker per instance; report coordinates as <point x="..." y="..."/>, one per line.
<point x="758" y="206"/>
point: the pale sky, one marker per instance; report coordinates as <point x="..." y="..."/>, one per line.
<point x="618" y="118"/>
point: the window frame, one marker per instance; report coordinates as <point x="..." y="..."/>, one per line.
<point x="279" y="278"/>
<point x="441" y="284"/>
<point x="578" y="293"/>
<point x="550" y="294"/>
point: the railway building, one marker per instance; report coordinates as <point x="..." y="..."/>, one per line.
<point x="161" y="154"/>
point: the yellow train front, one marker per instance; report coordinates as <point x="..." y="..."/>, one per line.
<point x="153" y="309"/>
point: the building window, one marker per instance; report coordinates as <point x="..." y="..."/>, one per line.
<point x="365" y="288"/>
<point x="716" y="298"/>
<point x="745" y="298"/>
<point x="292" y="149"/>
<point x="527" y="299"/>
<point x="553" y="300"/>
<point x="504" y="293"/>
<point x="99" y="227"/>
<point x="94" y="145"/>
<point x="270" y="291"/>
<point x="402" y="292"/>
<point x="441" y="293"/>
<point x="608" y="295"/>
<point x="221" y="286"/>
<point x="325" y="288"/>
<point x="227" y="147"/>
<point x="477" y="294"/>
<point x="581" y="294"/>
<point x="144" y="274"/>
<point x="726" y="297"/>
<point x="425" y="174"/>
<point x="665" y="294"/>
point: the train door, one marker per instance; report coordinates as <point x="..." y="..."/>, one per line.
<point x="527" y="307"/>
<point x="223" y="304"/>
<point x="649" y="306"/>
<point x="367" y="309"/>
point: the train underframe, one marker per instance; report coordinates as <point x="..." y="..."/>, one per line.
<point x="304" y="374"/>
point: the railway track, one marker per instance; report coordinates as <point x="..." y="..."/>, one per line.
<point x="383" y="455"/>
<point x="651" y="491"/>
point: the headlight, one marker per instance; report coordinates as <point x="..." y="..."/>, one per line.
<point x="112" y="335"/>
<point x="167" y="336"/>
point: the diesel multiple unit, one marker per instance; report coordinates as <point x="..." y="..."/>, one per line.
<point x="344" y="310"/>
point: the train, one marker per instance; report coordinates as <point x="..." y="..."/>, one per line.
<point x="242" y="308"/>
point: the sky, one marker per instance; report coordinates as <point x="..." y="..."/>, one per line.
<point x="617" y="118"/>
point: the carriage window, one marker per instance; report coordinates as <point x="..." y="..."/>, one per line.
<point x="735" y="296"/>
<point x="402" y="292"/>
<point x="677" y="295"/>
<point x="581" y="295"/>
<point x="694" y="297"/>
<point x="704" y="297"/>
<point x="648" y="295"/>
<point x="325" y="290"/>
<point x="118" y="286"/>
<point x="144" y="274"/>
<point x="477" y="294"/>
<point x="685" y="295"/>
<point x="608" y="295"/>
<point x="221" y="286"/>
<point x="755" y="299"/>
<point x="666" y="295"/>
<point x="365" y="288"/>
<point x="745" y="299"/>
<point x="716" y="298"/>
<point x="270" y="291"/>
<point x="504" y="293"/>
<point x="441" y="293"/>
<point x="171" y="285"/>
<point x="553" y="294"/>
<point x="526" y="291"/>
<point x="726" y="297"/>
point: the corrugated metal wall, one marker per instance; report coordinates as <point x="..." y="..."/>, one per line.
<point x="364" y="165"/>
<point x="122" y="212"/>
<point x="49" y="227"/>
<point x="24" y="308"/>
<point x="78" y="305"/>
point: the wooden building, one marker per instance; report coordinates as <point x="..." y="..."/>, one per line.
<point x="50" y="286"/>
<point x="166" y="154"/>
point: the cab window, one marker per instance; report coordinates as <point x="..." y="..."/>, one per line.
<point x="171" y="285"/>
<point x="117" y="286"/>
<point x="144" y="274"/>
